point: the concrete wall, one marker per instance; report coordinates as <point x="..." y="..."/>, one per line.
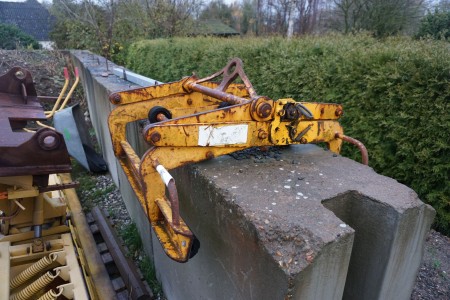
<point x="310" y="225"/>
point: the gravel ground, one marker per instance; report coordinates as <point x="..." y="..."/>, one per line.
<point x="433" y="280"/>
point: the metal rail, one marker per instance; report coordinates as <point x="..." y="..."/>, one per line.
<point x="136" y="288"/>
<point x="95" y="268"/>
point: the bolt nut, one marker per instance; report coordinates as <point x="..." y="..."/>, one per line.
<point x="155" y="137"/>
<point x="20" y="75"/>
<point x="116" y="98"/>
<point x="264" y="110"/>
<point x="303" y="141"/>
<point x="262" y="135"/>
<point x="209" y="155"/>
<point x="339" y="112"/>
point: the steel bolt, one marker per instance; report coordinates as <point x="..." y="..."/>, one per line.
<point x="20" y="75"/>
<point x="116" y="98"/>
<point x="338" y="112"/>
<point x="264" y="110"/>
<point x="303" y="141"/>
<point x="262" y="135"/>
<point x="155" y="137"/>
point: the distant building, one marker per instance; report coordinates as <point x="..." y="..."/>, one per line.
<point x="214" y="28"/>
<point x="30" y="17"/>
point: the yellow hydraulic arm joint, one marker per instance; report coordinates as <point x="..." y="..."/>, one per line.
<point x="197" y="119"/>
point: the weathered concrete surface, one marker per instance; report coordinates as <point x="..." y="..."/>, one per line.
<point x="301" y="218"/>
<point x="279" y="229"/>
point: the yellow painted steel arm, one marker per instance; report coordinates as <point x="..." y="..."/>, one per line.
<point x="195" y="119"/>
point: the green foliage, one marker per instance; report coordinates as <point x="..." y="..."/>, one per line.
<point x="380" y="17"/>
<point x="395" y="93"/>
<point x="148" y="269"/>
<point x="108" y="27"/>
<point x="217" y="10"/>
<point x="130" y="236"/>
<point x="12" y="38"/>
<point x="435" y="25"/>
<point x="74" y="34"/>
<point x="132" y="240"/>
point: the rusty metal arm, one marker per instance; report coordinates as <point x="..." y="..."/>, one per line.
<point x="163" y="213"/>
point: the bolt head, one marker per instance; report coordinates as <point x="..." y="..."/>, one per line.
<point x="339" y="112"/>
<point x="262" y="135"/>
<point x="264" y="110"/>
<point x="20" y="75"/>
<point x="303" y="141"/>
<point x="116" y="98"/>
<point x="155" y="137"/>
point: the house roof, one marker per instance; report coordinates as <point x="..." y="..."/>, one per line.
<point x="214" y="27"/>
<point x="29" y="16"/>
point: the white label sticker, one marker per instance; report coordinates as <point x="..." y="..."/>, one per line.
<point x="222" y="135"/>
<point x="165" y="175"/>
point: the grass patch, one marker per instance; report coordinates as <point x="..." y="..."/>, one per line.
<point x="148" y="269"/>
<point x="130" y="235"/>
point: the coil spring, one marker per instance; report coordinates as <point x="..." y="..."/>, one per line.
<point x="32" y="270"/>
<point x="33" y="288"/>
<point x="51" y="295"/>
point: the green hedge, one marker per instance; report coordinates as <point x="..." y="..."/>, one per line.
<point x="12" y="38"/>
<point x="395" y="93"/>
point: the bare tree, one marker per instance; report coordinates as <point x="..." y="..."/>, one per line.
<point x="382" y="17"/>
<point x="172" y="17"/>
<point x="308" y="12"/>
<point x="99" y="16"/>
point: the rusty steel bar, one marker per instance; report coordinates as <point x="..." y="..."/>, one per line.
<point x="361" y="147"/>
<point x="173" y="194"/>
<point x="161" y="117"/>
<point x="129" y="275"/>
<point x="230" y="98"/>
<point x="229" y="73"/>
<point x="57" y="187"/>
<point x="132" y="159"/>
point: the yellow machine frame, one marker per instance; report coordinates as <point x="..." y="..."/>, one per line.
<point x="192" y="120"/>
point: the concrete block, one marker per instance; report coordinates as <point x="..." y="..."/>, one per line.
<point x="98" y="84"/>
<point x="323" y="228"/>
